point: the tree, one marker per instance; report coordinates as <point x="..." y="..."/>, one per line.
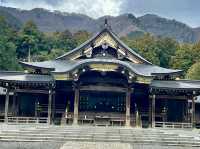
<point x="167" y="50"/>
<point x="64" y="41"/>
<point x="186" y="56"/>
<point x="145" y="46"/>
<point x="7" y="55"/>
<point x="7" y="48"/>
<point x="54" y="53"/>
<point x="194" y="72"/>
<point x="81" y="36"/>
<point x="29" y="40"/>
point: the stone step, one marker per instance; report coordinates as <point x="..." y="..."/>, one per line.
<point x="102" y="136"/>
<point x="102" y="140"/>
<point x="87" y="131"/>
<point x="94" y="134"/>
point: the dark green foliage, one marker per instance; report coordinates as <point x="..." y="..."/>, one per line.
<point x="8" y="59"/>
<point x="64" y="40"/>
<point x="159" y="51"/>
<point x="31" y="38"/>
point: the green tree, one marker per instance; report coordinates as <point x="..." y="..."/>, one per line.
<point x="167" y="50"/>
<point x="29" y="40"/>
<point x="64" y="41"/>
<point x="186" y="56"/>
<point x="145" y="46"/>
<point x="7" y="47"/>
<point x="194" y="72"/>
<point x="81" y="36"/>
<point x="54" y="53"/>
<point x="159" y="51"/>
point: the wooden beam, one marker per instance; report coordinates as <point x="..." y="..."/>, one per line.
<point x="32" y="91"/>
<point x="103" y="88"/>
<point x="171" y="97"/>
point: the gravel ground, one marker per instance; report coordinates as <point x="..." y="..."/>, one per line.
<point x="82" y="145"/>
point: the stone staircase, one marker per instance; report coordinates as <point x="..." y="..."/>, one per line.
<point x="164" y="137"/>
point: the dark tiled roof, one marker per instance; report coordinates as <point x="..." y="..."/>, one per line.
<point x="175" y="84"/>
<point x="59" y="66"/>
<point x="23" y="77"/>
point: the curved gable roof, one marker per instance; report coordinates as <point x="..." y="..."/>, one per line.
<point x="114" y="37"/>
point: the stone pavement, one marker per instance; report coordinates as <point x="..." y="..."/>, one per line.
<point x="95" y="145"/>
<point x="55" y="145"/>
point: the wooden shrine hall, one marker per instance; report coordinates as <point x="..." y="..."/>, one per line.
<point x="102" y="83"/>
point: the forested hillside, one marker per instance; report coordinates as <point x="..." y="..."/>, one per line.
<point x="123" y="25"/>
<point x="163" y="51"/>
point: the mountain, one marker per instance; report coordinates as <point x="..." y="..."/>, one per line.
<point x="123" y="25"/>
<point x="11" y="20"/>
<point x="197" y="32"/>
<point x="168" y="28"/>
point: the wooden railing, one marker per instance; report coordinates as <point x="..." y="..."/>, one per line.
<point x="172" y="125"/>
<point x="89" y="117"/>
<point x="58" y="109"/>
<point x="26" y="120"/>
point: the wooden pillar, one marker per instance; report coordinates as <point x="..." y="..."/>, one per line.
<point x="53" y="110"/>
<point x="76" y="105"/>
<point x="153" y="111"/>
<point x="17" y="105"/>
<point x="128" y="101"/>
<point x="14" y="104"/>
<point x="36" y="108"/>
<point x="49" y="107"/>
<point x="150" y="111"/>
<point x="6" y="105"/>
<point x="193" y="113"/>
<point x="188" y="111"/>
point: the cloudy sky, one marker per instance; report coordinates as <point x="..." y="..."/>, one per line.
<point x="187" y="11"/>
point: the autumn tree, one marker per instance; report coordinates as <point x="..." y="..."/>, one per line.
<point x="194" y="72"/>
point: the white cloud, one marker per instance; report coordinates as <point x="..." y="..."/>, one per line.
<point x="93" y="8"/>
